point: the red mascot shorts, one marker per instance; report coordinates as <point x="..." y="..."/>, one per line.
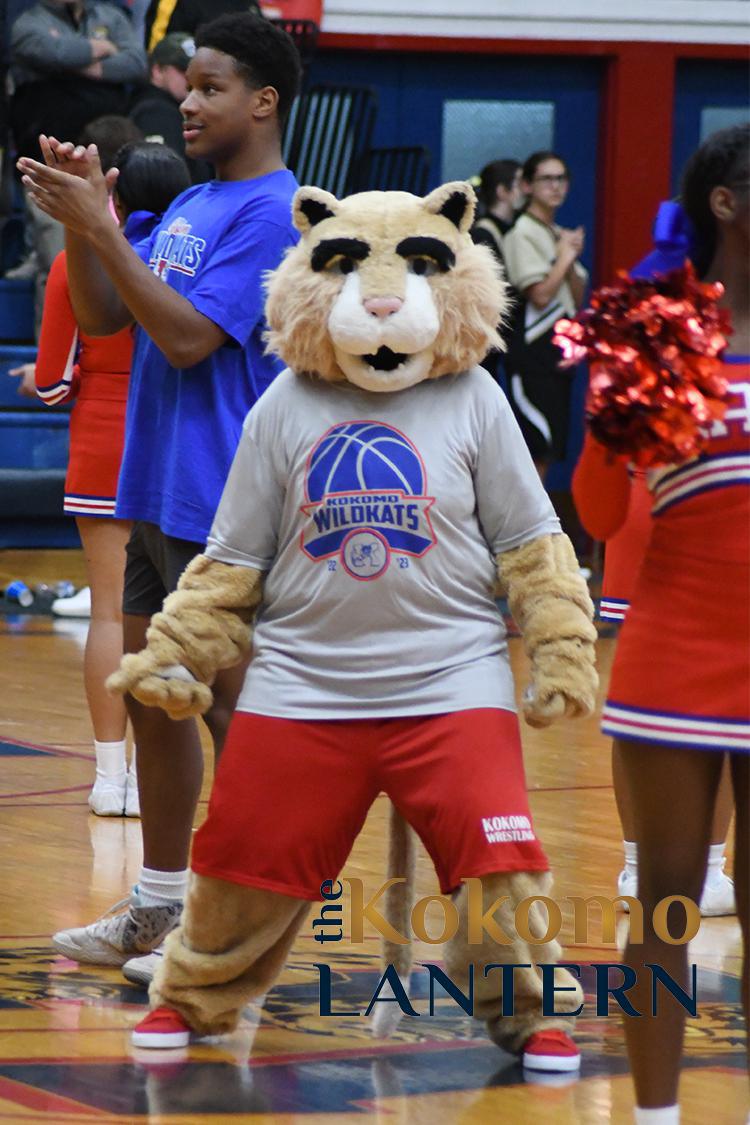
<point x="290" y="797"/>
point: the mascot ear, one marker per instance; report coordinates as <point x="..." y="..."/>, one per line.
<point x="456" y="201"/>
<point x="310" y="206"/>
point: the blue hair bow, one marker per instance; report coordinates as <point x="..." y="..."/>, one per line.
<point x="673" y="237"/>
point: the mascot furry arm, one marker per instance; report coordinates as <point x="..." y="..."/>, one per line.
<point x="551" y="605"/>
<point x="203" y="628"/>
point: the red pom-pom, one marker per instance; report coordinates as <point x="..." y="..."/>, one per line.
<point x="655" y="375"/>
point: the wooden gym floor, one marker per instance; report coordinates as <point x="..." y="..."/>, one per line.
<point x="65" y="1056"/>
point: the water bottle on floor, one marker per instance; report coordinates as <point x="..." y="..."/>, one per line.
<point x="19" y="593"/>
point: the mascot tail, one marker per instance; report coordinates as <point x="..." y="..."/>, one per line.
<point x="397" y="908"/>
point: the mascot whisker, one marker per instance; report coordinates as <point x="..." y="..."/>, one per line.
<point x="380" y="497"/>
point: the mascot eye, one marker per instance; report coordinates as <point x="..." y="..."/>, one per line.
<point x="422" y="265"/>
<point x="341" y="264"/>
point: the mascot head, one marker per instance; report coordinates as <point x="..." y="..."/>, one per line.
<point x="385" y="289"/>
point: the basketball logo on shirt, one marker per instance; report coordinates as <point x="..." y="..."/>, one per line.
<point x="366" y="486"/>
<point x="176" y="249"/>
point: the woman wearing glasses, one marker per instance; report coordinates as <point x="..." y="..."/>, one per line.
<point x="542" y="265"/>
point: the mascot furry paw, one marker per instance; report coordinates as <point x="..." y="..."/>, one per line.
<point x="202" y="629"/>
<point x="380" y="492"/>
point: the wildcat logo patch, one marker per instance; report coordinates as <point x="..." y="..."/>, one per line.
<point x="366" y="485"/>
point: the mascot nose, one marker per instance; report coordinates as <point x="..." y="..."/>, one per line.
<point x="382" y="306"/>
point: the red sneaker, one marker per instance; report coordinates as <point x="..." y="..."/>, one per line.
<point x="551" y="1050"/>
<point x="164" y="1027"/>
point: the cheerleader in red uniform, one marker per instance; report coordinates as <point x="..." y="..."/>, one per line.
<point x="614" y="504"/>
<point x="679" y="696"/>
<point x="94" y="372"/>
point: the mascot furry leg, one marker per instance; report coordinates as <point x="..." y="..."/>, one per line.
<point x="230" y="947"/>
<point x="553" y="610"/>
<point x="511" y="1032"/>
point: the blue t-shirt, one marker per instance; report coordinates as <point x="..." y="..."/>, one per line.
<point x="213" y="246"/>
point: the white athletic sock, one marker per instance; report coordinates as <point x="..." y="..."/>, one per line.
<point x="715" y="868"/>
<point x="110" y="760"/>
<point x="161" y="888"/>
<point x="133" y="768"/>
<point x="631" y="856"/>
<point x="665" y="1115"/>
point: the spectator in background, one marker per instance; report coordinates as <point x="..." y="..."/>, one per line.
<point x="165" y="16"/>
<point x="541" y="259"/>
<point x="500" y="199"/>
<point x="156" y="108"/>
<point x="9" y="12"/>
<point x="137" y="11"/>
<point x="110" y="133"/>
<point x="71" y="61"/>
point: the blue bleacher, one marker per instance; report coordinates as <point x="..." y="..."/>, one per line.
<point x="14" y="357"/>
<point x="16" y="311"/>
<point x="33" y="457"/>
<point x="29" y="440"/>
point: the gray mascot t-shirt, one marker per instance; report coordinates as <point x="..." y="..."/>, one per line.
<point x="377" y="518"/>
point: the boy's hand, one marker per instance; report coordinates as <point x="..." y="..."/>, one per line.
<point x="70" y="187"/>
<point x="67" y="157"/>
<point x="77" y="160"/>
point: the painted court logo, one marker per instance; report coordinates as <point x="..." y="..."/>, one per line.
<point x="176" y="249"/>
<point x="365" y="486"/>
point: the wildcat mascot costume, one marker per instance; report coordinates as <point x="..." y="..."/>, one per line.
<point x="380" y="497"/>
